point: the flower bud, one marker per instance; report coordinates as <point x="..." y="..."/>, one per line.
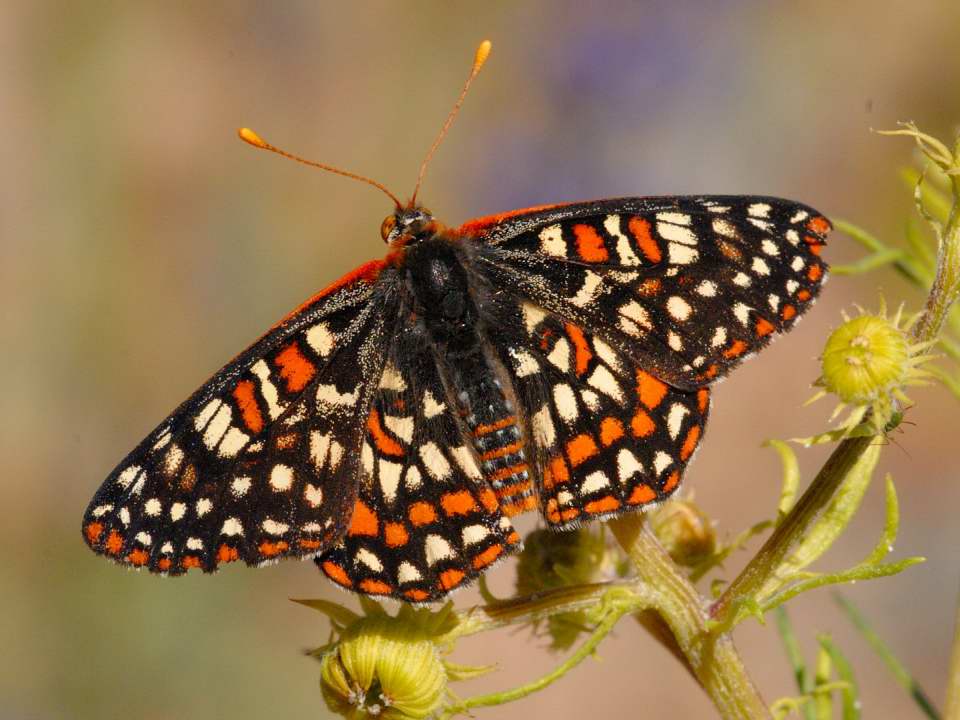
<point x="685" y="531"/>
<point x="863" y="358"/>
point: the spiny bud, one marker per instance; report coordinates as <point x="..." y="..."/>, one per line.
<point x="864" y="357"/>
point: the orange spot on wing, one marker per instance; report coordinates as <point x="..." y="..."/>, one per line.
<point x="309" y="544"/>
<point x="114" y="543"/>
<point x="138" y="557"/>
<point x="245" y="395"/>
<point x="488" y="499"/>
<point x="590" y="245"/>
<point x="375" y="587"/>
<point x="642" y="494"/>
<point x="511" y="491"/>
<point x="703" y="399"/>
<point x="515" y="508"/>
<point x="482" y="430"/>
<point x="819" y="225"/>
<point x="458" y="503"/>
<point x="337" y="574"/>
<point x="690" y="443"/>
<point x="385" y="444"/>
<point x="487" y="556"/>
<point x="163" y="564"/>
<point x="671" y="482"/>
<point x="396" y="534"/>
<point x="803" y="295"/>
<point x="581" y="346"/>
<point x="711" y="372"/>
<point x="364" y="521"/>
<point x="226" y="554"/>
<point x="423" y="513"/>
<point x="93" y="531"/>
<point x="763" y="327"/>
<point x="559" y="470"/>
<point x="650" y="390"/>
<point x="649" y="287"/>
<point x="611" y="430"/>
<point x="814" y="272"/>
<point x="581" y="449"/>
<point x="189" y="562"/>
<point x="416" y="595"/>
<point x="605" y="504"/>
<point x="449" y="579"/>
<point x="641" y="424"/>
<point x="737" y="348"/>
<point x="640" y="229"/>
<point x="295" y="369"/>
<point x="513" y="538"/>
<point x="272" y="549"/>
<point x="788" y="312"/>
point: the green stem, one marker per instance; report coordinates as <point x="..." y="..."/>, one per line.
<point x="952" y="711"/>
<point x="712" y="657"/>
<point x="582" y="653"/>
<point x="792" y="529"/>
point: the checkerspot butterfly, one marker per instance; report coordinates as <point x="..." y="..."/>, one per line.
<point x="556" y="358"/>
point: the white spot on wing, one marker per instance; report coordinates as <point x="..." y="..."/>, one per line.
<point x="565" y="402"/>
<point x="369" y="559"/>
<point x="551" y="241"/>
<point x="596" y="480"/>
<point x="588" y="292"/>
<point x="434" y="461"/>
<point x="126" y="477"/>
<point x="560" y="355"/>
<point x="524" y="363"/>
<point x="627" y="465"/>
<point x="612" y="225"/>
<point x="313" y="495"/>
<point x="437" y="549"/>
<point x="679" y="308"/>
<point x="402" y="427"/>
<point x="390" y="479"/>
<point x="392" y="379"/>
<point x="474" y="533"/>
<point x="661" y="462"/>
<point x="320" y="339"/>
<point x="675" y="419"/>
<point x="232" y="526"/>
<point x="239" y="486"/>
<point x="407" y="573"/>
<point x="273" y="527"/>
<point x="543" y="429"/>
<point x="603" y="381"/>
<point x="464" y="458"/>
<point x="281" y="477"/>
<point x="681" y="254"/>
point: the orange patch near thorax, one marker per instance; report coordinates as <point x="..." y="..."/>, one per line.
<point x="294" y="368"/>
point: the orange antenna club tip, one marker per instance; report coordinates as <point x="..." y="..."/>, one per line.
<point x="249" y="136"/>
<point x="479" y="58"/>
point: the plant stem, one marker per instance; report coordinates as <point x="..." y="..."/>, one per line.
<point x="952" y="711"/>
<point x="712" y="657"/>
<point x="792" y="529"/>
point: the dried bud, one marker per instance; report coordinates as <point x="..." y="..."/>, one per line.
<point x="685" y="531"/>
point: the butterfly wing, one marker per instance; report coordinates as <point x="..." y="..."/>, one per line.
<point x="686" y="286"/>
<point x="613" y="317"/>
<point x="262" y="461"/>
<point x="425" y="521"/>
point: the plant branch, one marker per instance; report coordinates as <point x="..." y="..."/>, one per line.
<point x="712" y="657"/>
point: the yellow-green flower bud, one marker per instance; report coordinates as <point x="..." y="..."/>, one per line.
<point x="685" y="531"/>
<point x="863" y="358"/>
<point x="383" y="667"/>
<point x="553" y="559"/>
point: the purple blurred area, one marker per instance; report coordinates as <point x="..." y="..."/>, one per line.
<point x="142" y="245"/>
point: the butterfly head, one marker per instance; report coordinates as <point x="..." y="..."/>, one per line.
<point x="408" y="226"/>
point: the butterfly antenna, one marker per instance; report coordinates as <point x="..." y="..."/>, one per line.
<point x="483" y="51"/>
<point x="251" y="138"/>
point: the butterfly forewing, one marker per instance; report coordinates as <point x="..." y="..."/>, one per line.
<point x="688" y="287"/>
<point x="260" y="462"/>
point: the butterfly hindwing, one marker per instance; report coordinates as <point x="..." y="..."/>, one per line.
<point x="425" y="520"/>
<point x="260" y="462"/>
<point x="687" y="286"/>
<point x="606" y="435"/>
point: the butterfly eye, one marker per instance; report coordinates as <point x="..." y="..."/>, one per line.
<point x="387" y="226"/>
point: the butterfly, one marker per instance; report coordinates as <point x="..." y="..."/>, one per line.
<point x="556" y="359"/>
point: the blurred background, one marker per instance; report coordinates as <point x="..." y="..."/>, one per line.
<point x="142" y="245"/>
